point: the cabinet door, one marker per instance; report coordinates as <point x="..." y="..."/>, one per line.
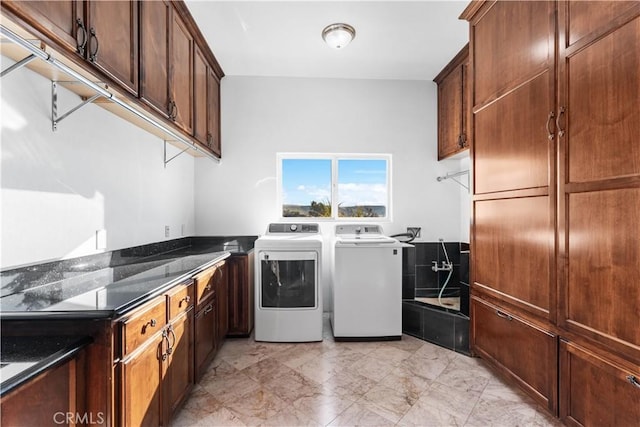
<point x="179" y="369"/>
<point x="181" y="73"/>
<point x="513" y="42"/>
<point x="240" y="297"/>
<point x="599" y="89"/>
<point x="513" y="250"/>
<point x="222" y="298"/>
<point x="205" y="337"/>
<point x="200" y="76"/>
<point x="450" y="113"/>
<point x="213" y="110"/>
<point x="46" y="399"/>
<point x="60" y="20"/>
<point x="141" y="393"/>
<point x="595" y="391"/>
<point x="602" y="296"/>
<point x="514" y="86"/>
<point x="523" y="350"/>
<point x="113" y="41"/>
<point x="154" y="54"/>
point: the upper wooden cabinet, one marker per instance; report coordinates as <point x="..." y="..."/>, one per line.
<point x="155" y="19"/>
<point x="112" y="44"/>
<point x="453" y="106"/>
<point x="104" y="33"/>
<point x="207" y="103"/>
<point x="152" y="52"/>
<point x="213" y="113"/>
<point x="167" y="68"/>
<point x="181" y="73"/>
<point x="57" y="20"/>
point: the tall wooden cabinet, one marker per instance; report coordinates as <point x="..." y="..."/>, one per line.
<point x="556" y="196"/>
<point x="453" y="105"/>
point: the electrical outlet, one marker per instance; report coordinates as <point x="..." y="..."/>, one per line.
<point x="167" y="231"/>
<point x="101" y="239"/>
<point x="414" y="230"/>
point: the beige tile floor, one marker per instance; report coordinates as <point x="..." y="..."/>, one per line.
<point x="406" y="383"/>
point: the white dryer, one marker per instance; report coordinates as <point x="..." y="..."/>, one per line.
<point x="367" y="284"/>
<point x="288" y="291"/>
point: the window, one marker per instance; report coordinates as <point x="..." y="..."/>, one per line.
<point x="334" y="186"/>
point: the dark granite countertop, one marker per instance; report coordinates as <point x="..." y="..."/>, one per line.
<point x="109" y="284"/>
<point x="23" y="358"/>
<point x="100" y="294"/>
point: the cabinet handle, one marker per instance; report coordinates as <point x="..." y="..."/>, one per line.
<point x="550" y="135"/>
<point x="560" y="113"/>
<point x="208" y="287"/>
<point x="185" y="299"/>
<point x="80" y="46"/>
<point x="151" y="323"/>
<point x="209" y="138"/>
<point x="165" y="337"/>
<point x="93" y="56"/>
<point x="208" y="309"/>
<point x="175" y="111"/>
<point x="504" y="315"/>
<point x="172" y="110"/>
<point x="633" y="380"/>
<point x="173" y="334"/>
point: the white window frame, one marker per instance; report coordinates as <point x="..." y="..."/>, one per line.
<point x="334" y="157"/>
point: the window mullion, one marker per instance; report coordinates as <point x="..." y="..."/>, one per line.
<point x="334" y="187"/>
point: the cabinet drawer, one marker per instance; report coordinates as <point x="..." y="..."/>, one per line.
<point x="518" y="348"/>
<point x="179" y="299"/>
<point x="595" y="391"/>
<point x="206" y="282"/>
<point x="143" y="324"/>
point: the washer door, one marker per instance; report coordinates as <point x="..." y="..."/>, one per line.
<point x="288" y="280"/>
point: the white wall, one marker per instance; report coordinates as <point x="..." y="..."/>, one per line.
<point x="262" y="116"/>
<point x="96" y="172"/>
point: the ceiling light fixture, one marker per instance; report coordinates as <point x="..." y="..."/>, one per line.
<point x="338" y="36"/>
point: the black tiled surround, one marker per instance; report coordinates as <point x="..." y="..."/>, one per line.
<point x="442" y="326"/>
<point x="446" y="328"/>
<point x="417" y="263"/>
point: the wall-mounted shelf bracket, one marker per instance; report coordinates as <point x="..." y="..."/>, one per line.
<point x="454" y="175"/>
<point x="18" y="65"/>
<point x="172" y="157"/>
<point x="55" y="119"/>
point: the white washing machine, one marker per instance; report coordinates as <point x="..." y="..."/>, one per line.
<point x="367" y="284"/>
<point x="288" y="291"/>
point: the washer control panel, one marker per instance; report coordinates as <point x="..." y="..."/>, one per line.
<point x="293" y="228"/>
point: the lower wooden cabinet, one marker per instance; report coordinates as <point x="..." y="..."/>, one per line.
<point x="55" y="397"/>
<point x="179" y="364"/>
<point x="210" y="314"/>
<point x="518" y="349"/>
<point x="205" y="336"/>
<point x="141" y="380"/>
<point x="156" y="374"/>
<point x="596" y="391"/>
<point x="241" y="295"/>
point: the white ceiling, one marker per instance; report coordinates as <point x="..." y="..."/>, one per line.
<point x="403" y="40"/>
